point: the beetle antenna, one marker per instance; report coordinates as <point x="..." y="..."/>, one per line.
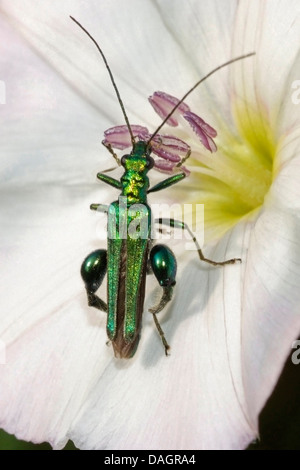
<point x="111" y="77"/>
<point x="195" y="86"/>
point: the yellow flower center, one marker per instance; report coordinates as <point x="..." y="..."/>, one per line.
<point x="233" y="182"/>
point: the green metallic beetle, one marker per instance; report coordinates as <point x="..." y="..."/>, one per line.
<point x="129" y="252"/>
<point x="127" y="255"/>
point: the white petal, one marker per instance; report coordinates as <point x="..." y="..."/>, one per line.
<point x="204" y="30"/>
<point x="50" y="31"/>
<point x="271" y="318"/>
<point x="48" y="133"/>
<point x="212" y="32"/>
<point x="273" y="31"/>
<point x="285" y="191"/>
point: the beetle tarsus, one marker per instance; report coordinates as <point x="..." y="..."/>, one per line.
<point x="161" y="334"/>
<point x="188" y="154"/>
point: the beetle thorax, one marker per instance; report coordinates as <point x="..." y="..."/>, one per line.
<point x="135" y="182"/>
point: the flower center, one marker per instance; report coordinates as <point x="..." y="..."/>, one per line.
<point x="233" y="182"/>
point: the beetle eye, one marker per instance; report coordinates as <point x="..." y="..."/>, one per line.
<point x="123" y="160"/>
<point x="150" y="162"/>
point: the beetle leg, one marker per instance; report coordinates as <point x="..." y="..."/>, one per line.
<point x="95" y="301"/>
<point x="160" y="331"/>
<point x="167" y="182"/>
<point x="183" y="226"/>
<point x="100" y="208"/>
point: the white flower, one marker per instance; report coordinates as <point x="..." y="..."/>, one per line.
<point x="231" y="328"/>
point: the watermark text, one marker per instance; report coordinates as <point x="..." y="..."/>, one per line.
<point x="162" y="221"/>
<point x="296" y="93"/>
<point x="296" y="354"/>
